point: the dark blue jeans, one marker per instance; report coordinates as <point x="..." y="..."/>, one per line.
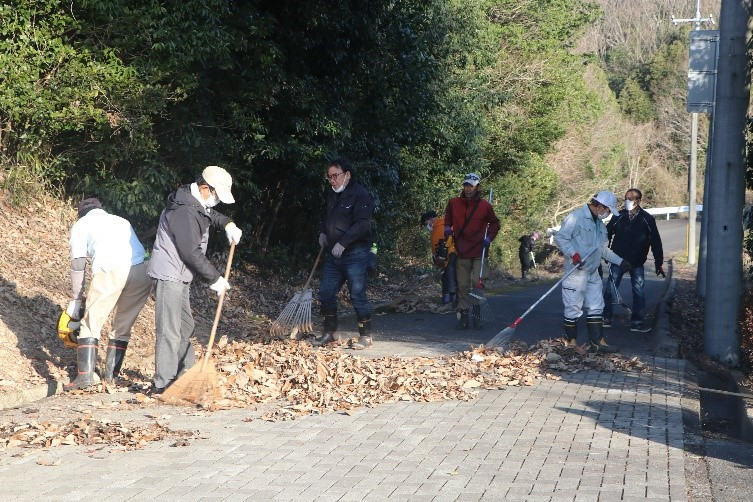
<point x="350" y="267"/>
<point x="639" y="298"/>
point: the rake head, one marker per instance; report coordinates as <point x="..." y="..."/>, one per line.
<point x="485" y="312"/>
<point x="295" y="318"/>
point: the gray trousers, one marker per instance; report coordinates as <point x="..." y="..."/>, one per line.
<point x="173" y="352"/>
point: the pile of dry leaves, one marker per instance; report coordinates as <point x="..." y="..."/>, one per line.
<point x="315" y="381"/>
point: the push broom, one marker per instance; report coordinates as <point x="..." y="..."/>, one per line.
<point x="501" y="338"/>
<point x="198" y="385"/>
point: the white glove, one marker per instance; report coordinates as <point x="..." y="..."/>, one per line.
<point x="74" y="306"/>
<point x="337" y="250"/>
<point x="220" y="286"/>
<point x="322" y="240"/>
<point x="233" y="233"/>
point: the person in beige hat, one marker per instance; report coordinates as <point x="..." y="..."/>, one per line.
<point x="178" y="256"/>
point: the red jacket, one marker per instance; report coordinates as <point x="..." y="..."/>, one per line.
<point x="469" y="237"/>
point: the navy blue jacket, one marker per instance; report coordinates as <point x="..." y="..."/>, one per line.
<point x="347" y="218"/>
<point x="632" y="238"/>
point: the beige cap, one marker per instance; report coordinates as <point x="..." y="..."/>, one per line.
<point x="221" y="181"/>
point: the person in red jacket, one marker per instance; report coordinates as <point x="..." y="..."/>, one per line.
<point x="466" y="219"/>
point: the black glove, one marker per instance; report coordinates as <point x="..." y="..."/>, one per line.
<point x="625" y="266"/>
<point x="660" y="271"/>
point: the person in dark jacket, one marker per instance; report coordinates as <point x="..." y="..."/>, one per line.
<point x="632" y="233"/>
<point x="466" y="219"/>
<point x="178" y="256"/>
<point x="346" y="233"/>
<point x="525" y="253"/>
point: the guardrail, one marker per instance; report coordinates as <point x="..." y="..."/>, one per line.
<point x="654" y="210"/>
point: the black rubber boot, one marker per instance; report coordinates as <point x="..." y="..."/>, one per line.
<point x="364" y="334"/>
<point x="462" y="319"/>
<point x="476" y="316"/>
<point x="116" y="350"/>
<point x="329" y="327"/>
<point x="571" y="331"/>
<point x="595" y="325"/>
<point x="86" y="358"/>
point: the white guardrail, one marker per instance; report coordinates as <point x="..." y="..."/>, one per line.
<point x="654" y="210"/>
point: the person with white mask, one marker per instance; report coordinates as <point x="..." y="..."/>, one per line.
<point x="179" y="254"/>
<point x="346" y="234"/>
<point x="582" y="238"/>
<point x="631" y="234"/>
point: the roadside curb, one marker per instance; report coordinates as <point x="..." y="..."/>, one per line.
<point x="661" y="343"/>
<point x="21" y="397"/>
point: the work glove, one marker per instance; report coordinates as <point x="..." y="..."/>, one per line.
<point x="337" y="250"/>
<point x="322" y="240"/>
<point x="233" y="233"/>
<point x="74" y="307"/>
<point x="487" y="242"/>
<point x="660" y="271"/>
<point x="625" y="266"/>
<point x="220" y="286"/>
<point x="447" y="231"/>
<point x="576" y="259"/>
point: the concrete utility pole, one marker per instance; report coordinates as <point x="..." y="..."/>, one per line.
<point x="697" y="21"/>
<point x="727" y="185"/>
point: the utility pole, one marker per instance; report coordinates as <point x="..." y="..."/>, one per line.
<point x="697" y="20"/>
<point x="721" y="338"/>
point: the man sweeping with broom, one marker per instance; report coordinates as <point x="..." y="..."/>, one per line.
<point x="179" y="254"/>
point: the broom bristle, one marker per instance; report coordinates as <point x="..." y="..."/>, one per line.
<point x="196" y="386"/>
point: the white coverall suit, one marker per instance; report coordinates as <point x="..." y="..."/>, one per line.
<point x="580" y="233"/>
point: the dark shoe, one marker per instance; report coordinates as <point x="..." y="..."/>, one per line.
<point x="325" y="339"/>
<point x="476" y="316"/>
<point x="116" y="350"/>
<point x="607" y="323"/>
<point x="602" y="347"/>
<point x="462" y="320"/>
<point x="364" y="342"/>
<point x="86" y="358"/>
<point x="571" y="331"/>
<point x="639" y="327"/>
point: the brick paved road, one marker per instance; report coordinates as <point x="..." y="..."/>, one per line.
<point x="592" y="436"/>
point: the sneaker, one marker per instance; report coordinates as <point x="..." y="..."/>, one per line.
<point x="640" y="327"/>
<point x="607" y="323"/>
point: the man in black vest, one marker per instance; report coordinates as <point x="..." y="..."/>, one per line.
<point x="631" y="233"/>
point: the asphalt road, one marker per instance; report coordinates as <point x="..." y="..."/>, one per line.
<point x="542" y="323"/>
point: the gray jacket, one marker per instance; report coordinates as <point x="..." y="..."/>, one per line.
<point x="180" y="247"/>
<point x="580" y="233"/>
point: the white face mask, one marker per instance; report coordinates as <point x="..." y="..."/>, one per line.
<point x="212" y="201"/>
<point x="605" y="215"/>
<point x="629" y="205"/>
<point x="339" y="189"/>
<point x="429" y="226"/>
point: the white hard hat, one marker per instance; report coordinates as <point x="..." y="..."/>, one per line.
<point x="220" y="180"/>
<point x="608" y="199"/>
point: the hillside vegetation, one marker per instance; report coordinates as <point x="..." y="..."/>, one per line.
<point x="549" y="100"/>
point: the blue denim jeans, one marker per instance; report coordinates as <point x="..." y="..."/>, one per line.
<point x="639" y="298"/>
<point x="350" y="267"/>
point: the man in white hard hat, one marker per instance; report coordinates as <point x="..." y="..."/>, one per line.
<point x="582" y="232"/>
<point x="179" y="254"/>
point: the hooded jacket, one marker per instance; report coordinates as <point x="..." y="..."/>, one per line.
<point x="580" y="233"/>
<point x="469" y="237"/>
<point x="182" y="235"/>
<point x="347" y="217"/>
<point x="633" y="237"/>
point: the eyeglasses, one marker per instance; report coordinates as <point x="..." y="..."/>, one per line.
<point x="333" y="177"/>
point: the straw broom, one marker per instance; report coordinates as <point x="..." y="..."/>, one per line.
<point x="198" y="385"/>
<point x="295" y="318"/>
